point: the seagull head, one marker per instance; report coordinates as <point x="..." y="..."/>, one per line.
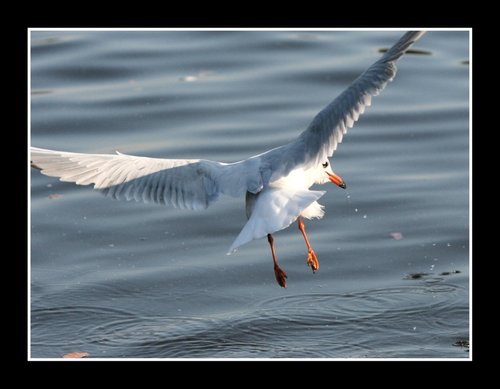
<point x="325" y="174"/>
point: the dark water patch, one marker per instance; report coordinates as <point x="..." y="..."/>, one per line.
<point x="448" y="273"/>
<point x="339" y="77"/>
<point x="416" y="276"/>
<point x="43" y="44"/>
<point x="88" y="73"/>
<point x="429" y="276"/>
<point x="409" y="51"/>
<point x="464" y="343"/>
<point x="38" y="92"/>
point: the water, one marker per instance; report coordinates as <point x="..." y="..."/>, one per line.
<point x="118" y="279"/>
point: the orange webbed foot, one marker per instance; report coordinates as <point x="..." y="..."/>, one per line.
<point x="280" y="276"/>
<point x="312" y="261"/>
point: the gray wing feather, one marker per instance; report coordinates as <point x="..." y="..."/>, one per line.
<point x="191" y="184"/>
<point x="325" y="132"/>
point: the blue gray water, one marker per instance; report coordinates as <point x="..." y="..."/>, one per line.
<point x="118" y="279"/>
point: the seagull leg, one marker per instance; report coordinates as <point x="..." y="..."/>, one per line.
<point x="278" y="273"/>
<point x="312" y="260"/>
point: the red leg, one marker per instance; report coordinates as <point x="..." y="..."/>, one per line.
<point x="279" y="274"/>
<point x="312" y="260"/>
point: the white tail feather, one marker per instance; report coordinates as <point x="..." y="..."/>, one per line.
<point x="274" y="210"/>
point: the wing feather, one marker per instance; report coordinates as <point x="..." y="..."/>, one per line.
<point x="325" y="132"/>
<point x="191" y="184"/>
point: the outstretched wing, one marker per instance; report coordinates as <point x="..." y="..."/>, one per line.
<point x="191" y="184"/>
<point x="325" y="132"/>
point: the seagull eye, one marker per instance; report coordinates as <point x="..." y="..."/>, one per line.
<point x="325" y="165"/>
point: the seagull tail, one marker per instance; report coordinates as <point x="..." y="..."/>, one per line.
<point x="274" y="210"/>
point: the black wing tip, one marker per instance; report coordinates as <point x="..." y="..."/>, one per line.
<point x="401" y="46"/>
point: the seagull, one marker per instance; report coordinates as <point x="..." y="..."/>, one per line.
<point x="275" y="183"/>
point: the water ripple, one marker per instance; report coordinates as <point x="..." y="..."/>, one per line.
<point x="367" y="323"/>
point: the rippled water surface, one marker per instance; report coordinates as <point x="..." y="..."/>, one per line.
<point x="118" y="279"/>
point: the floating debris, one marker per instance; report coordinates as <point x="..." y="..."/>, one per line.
<point x="449" y="273"/>
<point x="462" y="343"/>
<point x="396" y="235"/>
<point x="416" y="276"/>
<point x="466" y="62"/>
<point x="54" y="196"/>
<point x="76" y="354"/>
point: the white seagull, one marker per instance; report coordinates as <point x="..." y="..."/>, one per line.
<point x="275" y="183"/>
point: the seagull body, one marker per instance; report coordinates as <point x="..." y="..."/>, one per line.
<point x="275" y="183"/>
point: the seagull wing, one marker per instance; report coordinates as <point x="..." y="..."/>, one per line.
<point x="325" y="132"/>
<point x="328" y="127"/>
<point x="191" y="184"/>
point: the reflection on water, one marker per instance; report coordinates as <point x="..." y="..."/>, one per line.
<point x="118" y="279"/>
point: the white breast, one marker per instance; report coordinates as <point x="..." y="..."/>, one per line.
<point x="297" y="179"/>
<point x="300" y="179"/>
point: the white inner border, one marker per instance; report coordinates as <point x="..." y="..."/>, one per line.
<point x="30" y="30"/>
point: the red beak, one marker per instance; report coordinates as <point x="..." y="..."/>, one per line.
<point x="336" y="180"/>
